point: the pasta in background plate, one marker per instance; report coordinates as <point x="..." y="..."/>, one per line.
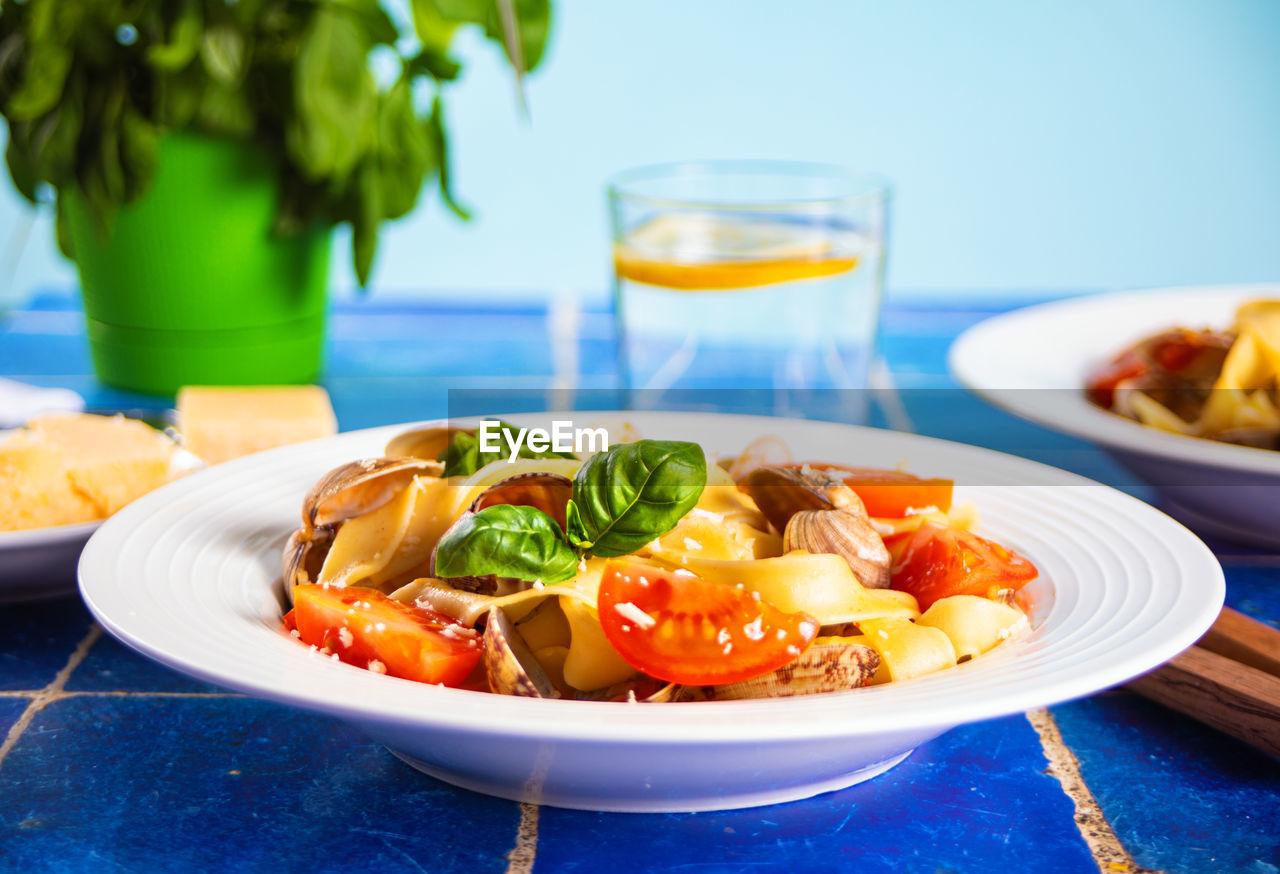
<point x="1220" y="385"/>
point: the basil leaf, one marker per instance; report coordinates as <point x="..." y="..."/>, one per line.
<point x="462" y="456"/>
<point x="506" y="541"/>
<point x="334" y="93"/>
<point x="532" y="27"/>
<point x="223" y="52"/>
<point x="574" y="528"/>
<point x="364" y="225"/>
<point x="440" y="146"/>
<point x="635" y="492"/>
<point x="465" y="454"/>
<point x="180" y="42"/>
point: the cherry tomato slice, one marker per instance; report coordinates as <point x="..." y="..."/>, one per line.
<point x="891" y="493"/>
<point x="1101" y="385"/>
<point x="365" y="628"/>
<point x="938" y="562"/>
<point x="683" y="629"/>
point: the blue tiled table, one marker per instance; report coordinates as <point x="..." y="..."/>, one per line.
<point x="109" y="762"/>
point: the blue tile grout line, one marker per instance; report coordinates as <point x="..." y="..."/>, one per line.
<point x="49" y="692"/>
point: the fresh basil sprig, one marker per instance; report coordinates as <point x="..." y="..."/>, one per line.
<point x="507" y="541"/>
<point x="623" y="498"/>
<point x="626" y="497"/>
<point x="465" y="455"/>
<point x="90" y="87"/>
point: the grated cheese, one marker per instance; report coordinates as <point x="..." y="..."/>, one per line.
<point x="635" y="615"/>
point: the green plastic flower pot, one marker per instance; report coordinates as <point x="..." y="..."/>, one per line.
<point x="191" y="287"/>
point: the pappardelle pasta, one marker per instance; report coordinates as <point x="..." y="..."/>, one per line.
<point x="1217" y="384"/>
<point x="644" y="572"/>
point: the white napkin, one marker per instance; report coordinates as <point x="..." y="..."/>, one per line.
<point x="20" y="402"/>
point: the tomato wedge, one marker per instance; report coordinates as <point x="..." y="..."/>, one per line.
<point x="938" y="562"/>
<point x="683" y="629"/>
<point x="365" y="628"/>
<point x="891" y="493"/>
<point x="1101" y="385"/>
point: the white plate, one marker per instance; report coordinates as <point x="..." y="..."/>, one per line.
<point x="189" y="575"/>
<point x="1033" y="362"/>
<point x="41" y="562"/>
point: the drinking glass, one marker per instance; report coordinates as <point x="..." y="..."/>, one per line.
<point x="747" y="274"/>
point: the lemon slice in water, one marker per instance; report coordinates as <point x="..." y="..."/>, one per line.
<point x="700" y="251"/>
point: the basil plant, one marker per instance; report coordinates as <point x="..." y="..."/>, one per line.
<point x="348" y="96"/>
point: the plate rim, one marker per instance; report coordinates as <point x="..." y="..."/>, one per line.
<point x="1084" y="420"/>
<point x="25" y="538"/>
<point x="573" y="721"/>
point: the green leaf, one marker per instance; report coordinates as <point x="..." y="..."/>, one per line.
<point x="375" y="20"/>
<point x="225" y="54"/>
<point x="56" y="152"/>
<point x="635" y="492"/>
<point x="575" y="530"/>
<point x="532" y="25"/>
<point x="523" y="543"/>
<point x="139" y="143"/>
<point x="462" y="457"/>
<point x="439" y="140"/>
<point x="364" y="228"/>
<point x="62" y="228"/>
<point x="22" y="168"/>
<point x="435" y="64"/>
<point x="224" y="111"/>
<point x="403" y="152"/>
<point x="110" y="166"/>
<point x="178" y="96"/>
<point x="48" y="63"/>
<point x="434" y="21"/>
<point x="184" y="37"/>
<point x="335" y="95"/>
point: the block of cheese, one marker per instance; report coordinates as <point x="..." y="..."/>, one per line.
<point x="34" y="489"/>
<point x="218" y="423"/>
<point x="76" y="468"/>
<point x="109" y="459"/>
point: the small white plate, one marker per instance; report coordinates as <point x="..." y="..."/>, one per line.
<point x="190" y="576"/>
<point x="1033" y="362"/>
<point x="41" y="562"/>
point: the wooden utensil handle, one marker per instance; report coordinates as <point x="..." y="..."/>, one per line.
<point x="1244" y="639"/>
<point x="1234" y="698"/>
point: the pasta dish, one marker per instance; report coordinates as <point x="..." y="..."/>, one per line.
<point x="644" y="572"/>
<point x="1216" y="384"/>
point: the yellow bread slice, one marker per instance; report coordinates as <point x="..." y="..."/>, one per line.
<point x="219" y="423"/>
<point x="35" y="491"/>
<point x="110" y="460"/>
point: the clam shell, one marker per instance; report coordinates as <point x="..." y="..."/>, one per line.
<point x="781" y="492"/>
<point x="548" y="492"/>
<point x="361" y="487"/>
<point x="642" y="690"/>
<point x="845" y="532"/>
<point x="823" y="667"/>
<point x="508" y="662"/>
<point x="304" y="554"/>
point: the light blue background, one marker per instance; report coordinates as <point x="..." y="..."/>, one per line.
<point x="1035" y="146"/>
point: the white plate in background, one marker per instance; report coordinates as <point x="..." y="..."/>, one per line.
<point x="1034" y="361"/>
<point x="40" y="563"/>
<point x="190" y="576"/>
